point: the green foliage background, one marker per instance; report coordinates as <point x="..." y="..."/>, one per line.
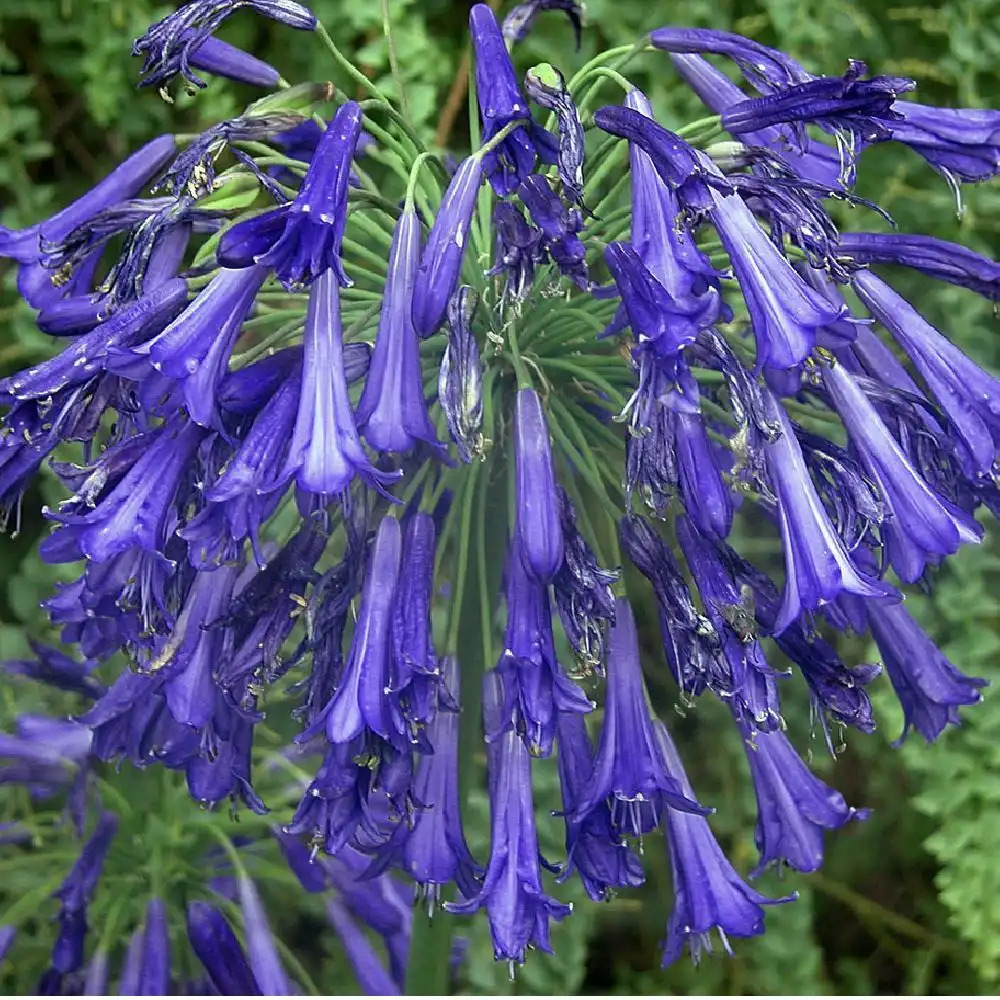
<point x="909" y="901"/>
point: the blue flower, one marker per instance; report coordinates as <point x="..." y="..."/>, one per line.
<point x="521" y="18"/>
<point x="629" y="773"/>
<point x="501" y="103"/>
<point x="709" y="894"/>
<point x="929" y="687"/>
<point x="560" y="227"/>
<point x="264" y="961"/>
<point x="817" y="564"/>
<point x="219" y="951"/>
<point x="793" y="806"/>
<point x="922" y="526"/>
<point x="931" y="256"/>
<point x="57" y="670"/>
<point x="154" y="973"/>
<point x="539" y="530"/>
<point x="325" y="451"/>
<point x="518" y="908"/>
<point x="171" y="45"/>
<point x="460" y="380"/>
<point x="392" y="413"/>
<point x="441" y="262"/>
<point x="546" y="86"/>
<point x="519" y="249"/>
<point x="222" y="59"/>
<point x="594" y="851"/>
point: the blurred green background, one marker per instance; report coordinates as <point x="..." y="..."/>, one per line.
<point x="909" y="902"/>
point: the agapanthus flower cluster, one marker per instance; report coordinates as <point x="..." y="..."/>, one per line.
<point x="373" y="445"/>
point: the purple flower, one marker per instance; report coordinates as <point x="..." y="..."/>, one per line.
<point x="539" y="530"/>
<point x="325" y="451"/>
<point x="922" y="526"/>
<point x="222" y="59"/>
<point x="171" y="45"/>
<point x="937" y="258"/>
<point x="968" y="395"/>
<point x="219" y="951"/>
<point x="460" y="380"/>
<point x="518" y="249"/>
<point x="793" y="806"/>
<point x="500" y="104"/>
<point x="708" y="892"/>
<point x="57" y="670"/>
<point x="76" y="890"/>
<point x="784" y="311"/>
<point x="679" y="165"/>
<point x="546" y="86"/>
<point x="154" y="975"/>
<point x="963" y="144"/>
<point x="518" y="908"/>
<point x="706" y="496"/>
<point x="559" y="226"/>
<point x="441" y="262"/>
<point x="366" y="962"/>
<point x="593" y="849"/>
<point x="818" y="566"/>
<point x="535" y="688"/>
<point x="860" y="108"/>
<point x="767" y="69"/>
<point x="7" y="935"/>
<point x="46" y="754"/>
<point x="629" y="774"/>
<point x="929" y="687"/>
<point x="267" y="969"/>
<point x="302" y="240"/>
<point x="521" y="18"/>
<point x="392" y="413"/>
<point x="361" y="703"/>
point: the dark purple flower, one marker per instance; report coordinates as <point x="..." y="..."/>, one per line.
<point x="706" y="496"/>
<point x="784" y="311"/>
<point x="922" y="526"/>
<point x="539" y="530"/>
<point x="767" y="69"/>
<point x="501" y="103"/>
<point x="963" y="144"/>
<point x="518" y="908"/>
<point x="267" y="969"/>
<point x="709" y="893"/>
<point x="594" y="850"/>
<point x="460" y="380"/>
<point x="46" y="753"/>
<point x="793" y="806"/>
<point x="76" y="890"/>
<point x="392" y="413"/>
<point x="361" y="703"/>
<point x="172" y="45"/>
<point x="302" y="240"/>
<point x="325" y="451"/>
<point x="817" y="564"/>
<point x="855" y="108"/>
<point x="154" y="976"/>
<point x="7" y="935"/>
<point x="967" y="394"/>
<point x="518" y="249"/>
<point x="521" y="18"/>
<point x="535" y="687"/>
<point x="679" y="165"/>
<point x="219" y="951"/>
<point x="546" y="86"/>
<point x="582" y="591"/>
<point x="222" y="59"/>
<point x="929" y="687"/>
<point x="629" y="774"/>
<point x="559" y="225"/>
<point x="937" y="258"/>
<point x="57" y="670"/>
<point x="441" y="262"/>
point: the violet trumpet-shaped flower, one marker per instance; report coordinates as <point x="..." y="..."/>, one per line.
<point x="594" y="851"/>
<point x="546" y="86"/>
<point x="518" y="249"/>
<point x="501" y="103"/>
<point x="521" y="18"/>
<point x="538" y="526"/>
<point x="817" y="564"/>
<point x="535" y="688"/>
<point x="794" y="807"/>
<point x="58" y="670"/>
<point x="368" y="965"/>
<point x="171" y="45"/>
<point x="936" y="258"/>
<point x="559" y="226"/>
<point x="967" y="394"/>
<point x="460" y="380"/>
<point x="922" y="526"/>
<point x="629" y="772"/>
<point x="929" y="687"/>
<point x="76" y="890"/>
<point x="784" y="311"/>
<point x="441" y="262"/>
<point x="154" y="974"/>
<point x="264" y="961"/>
<point x="302" y="240"/>
<point x="325" y="451"/>
<point x="709" y="894"/>
<point x="518" y="908"/>
<point x="222" y="59"/>
<point x="392" y="413"/>
<point x="219" y="951"/>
